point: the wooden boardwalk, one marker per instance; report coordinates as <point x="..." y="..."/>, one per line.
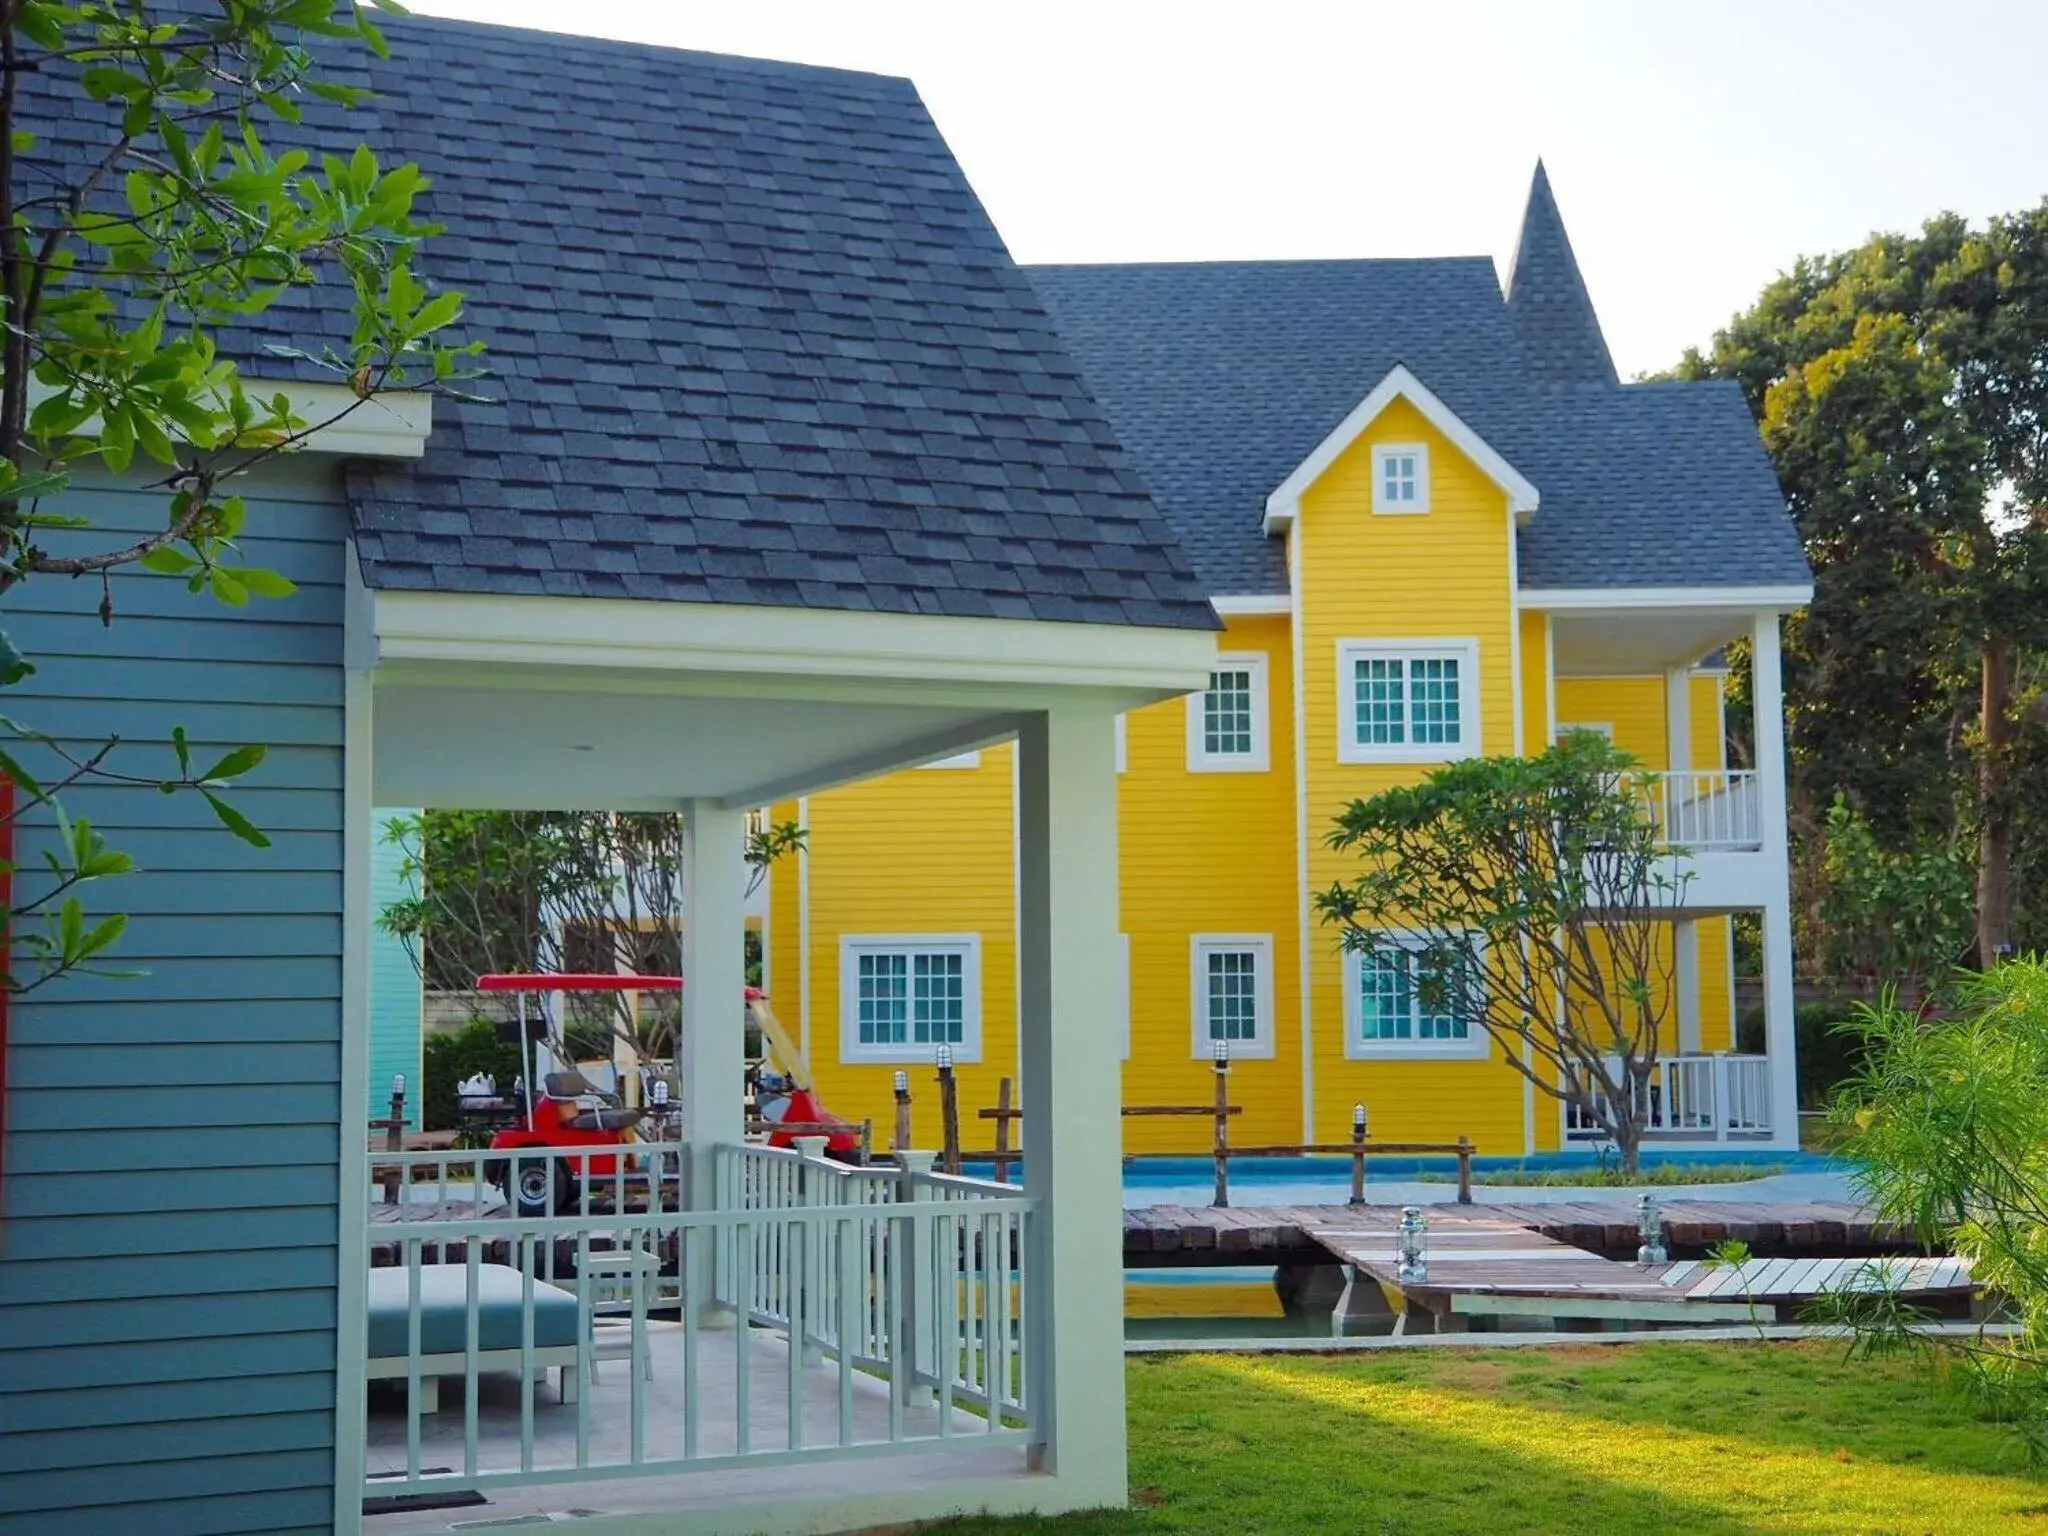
<point x="1165" y="1236"/>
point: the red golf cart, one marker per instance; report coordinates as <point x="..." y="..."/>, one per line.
<point x="568" y="1110"/>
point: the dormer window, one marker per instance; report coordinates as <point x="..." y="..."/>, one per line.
<point x="1400" y="477"/>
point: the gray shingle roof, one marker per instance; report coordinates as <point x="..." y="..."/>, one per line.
<point x="1548" y="302"/>
<point x="754" y="340"/>
<point x="1221" y="377"/>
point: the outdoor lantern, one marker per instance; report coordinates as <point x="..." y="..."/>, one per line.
<point x="1650" y="1228"/>
<point x="398" y="1086"/>
<point x="902" y="1082"/>
<point x="945" y="1058"/>
<point x="1358" y="1121"/>
<point x="660" y="1093"/>
<point x="1413" y="1253"/>
<point x="1220" y="1049"/>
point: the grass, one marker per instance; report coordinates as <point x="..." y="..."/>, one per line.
<point x="1593" y="1176"/>
<point x="1672" y="1439"/>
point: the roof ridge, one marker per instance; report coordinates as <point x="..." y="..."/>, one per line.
<point x="735" y="62"/>
<point x="1260" y="262"/>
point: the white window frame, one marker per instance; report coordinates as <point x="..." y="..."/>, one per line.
<point x="1351" y="750"/>
<point x="1200" y="947"/>
<point x="1381" y="452"/>
<point x="1259" y="759"/>
<point x="1476" y="1045"/>
<point x="957" y="760"/>
<point x="853" y="945"/>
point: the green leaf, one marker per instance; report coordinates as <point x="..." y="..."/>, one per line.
<point x="13" y="665"/>
<point x="167" y="561"/>
<point x="437" y="313"/>
<point x="262" y="583"/>
<point x="117" y="439"/>
<point x="23" y="779"/>
<point x="234" y="765"/>
<point x="183" y="748"/>
<point x="227" y="589"/>
<point x="235" y="821"/>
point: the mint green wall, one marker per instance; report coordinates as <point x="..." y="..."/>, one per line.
<point x="394" y="985"/>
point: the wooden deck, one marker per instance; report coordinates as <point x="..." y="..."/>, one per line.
<point x="1166" y="1236"/>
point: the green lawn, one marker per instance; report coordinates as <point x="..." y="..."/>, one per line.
<point x="1709" y="1439"/>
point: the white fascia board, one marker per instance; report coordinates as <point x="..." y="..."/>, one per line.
<point x="393" y="424"/>
<point x="624" y="634"/>
<point x="1285" y="502"/>
<point x="1253" y="606"/>
<point x="1779" y="599"/>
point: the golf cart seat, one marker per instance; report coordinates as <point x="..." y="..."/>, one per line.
<point x="572" y="1085"/>
<point x="606" y="1118"/>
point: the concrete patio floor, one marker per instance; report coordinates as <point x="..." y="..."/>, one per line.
<point x="663" y="1401"/>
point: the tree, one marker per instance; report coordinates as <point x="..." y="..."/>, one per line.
<point x="1529" y="897"/>
<point x="146" y="217"/>
<point x="1890" y="917"/>
<point x="1946" y="1125"/>
<point x="575" y="891"/>
<point x="1901" y="389"/>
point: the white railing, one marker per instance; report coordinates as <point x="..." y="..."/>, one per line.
<point x="1714" y="810"/>
<point x="960" y="1268"/>
<point x="878" y="1311"/>
<point x="1707" y="1097"/>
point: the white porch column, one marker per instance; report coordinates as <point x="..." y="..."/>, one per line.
<point x="1767" y="694"/>
<point x="1685" y="933"/>
<point x="711" y="1051"/>
<point x="1073" y="1131"/>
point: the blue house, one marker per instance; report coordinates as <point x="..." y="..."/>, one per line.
<point x="785" y="481"/>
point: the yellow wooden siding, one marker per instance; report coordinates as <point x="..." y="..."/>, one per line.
<point x="1439" y="575"/>
<point x="1717" y="934"/>
<point x="927" y="851"/>
<point x="1536" y="722"/>
<point x="1209" y="853"/>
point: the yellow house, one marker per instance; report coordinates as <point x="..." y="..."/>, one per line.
<point x="1434" y="524"/>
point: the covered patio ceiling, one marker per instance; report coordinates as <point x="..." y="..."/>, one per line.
<point x="588" y="704"/>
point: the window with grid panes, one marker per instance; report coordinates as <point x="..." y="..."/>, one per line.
<point x="1227" y="717"/>
<point x="1407" y="701"/>
<point x="1233" y="994"/>
<point x="1396" y="1001"/>
<point x="911" y="997"/>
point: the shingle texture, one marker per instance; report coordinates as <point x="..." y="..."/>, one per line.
<point x="1222" y="377"/>
<point x="752" y="339"/>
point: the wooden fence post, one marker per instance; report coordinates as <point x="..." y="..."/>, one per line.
<point x="1002" y="1114"/>
<point x="949" y="1113"/>
<point x="1358" y="1154"/>
<point x="1464" y="1170"/>
<point x="1222" y="1122"/>
<point x="902" y="1141"/>
<point x="394" y="1139"/>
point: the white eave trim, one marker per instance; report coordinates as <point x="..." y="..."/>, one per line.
<point x="1285" y="502"/>
<point x="1243" y="607"/>
<point x="392" y="424"/>
<point x="622" y="634"/>
<point x="1781" y="599"/>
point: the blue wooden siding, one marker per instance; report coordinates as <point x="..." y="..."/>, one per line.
<point x="394" y="985"/>
<point x="168" y="1219"/>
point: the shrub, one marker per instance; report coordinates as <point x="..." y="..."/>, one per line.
<point x="447" y="1059"/>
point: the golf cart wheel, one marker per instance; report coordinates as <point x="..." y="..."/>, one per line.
<point x="532" y="1192"/>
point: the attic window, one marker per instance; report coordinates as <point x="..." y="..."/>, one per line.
<point x="1400" y="477"/>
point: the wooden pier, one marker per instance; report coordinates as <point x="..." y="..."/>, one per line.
<point x="1170" y="1236"/>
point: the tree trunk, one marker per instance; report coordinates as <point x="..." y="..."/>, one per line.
<point x="1994" y="810"/>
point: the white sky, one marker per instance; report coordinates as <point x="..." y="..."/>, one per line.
<point x="1696" y="149"/>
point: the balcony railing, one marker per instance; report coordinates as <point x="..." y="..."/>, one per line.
<point x="1698" y="1097"/>
<point x="1714" y="810"/>
<point x="879" y="1311"/>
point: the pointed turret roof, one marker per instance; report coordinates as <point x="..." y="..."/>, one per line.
<point x="1548" y="302"/>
